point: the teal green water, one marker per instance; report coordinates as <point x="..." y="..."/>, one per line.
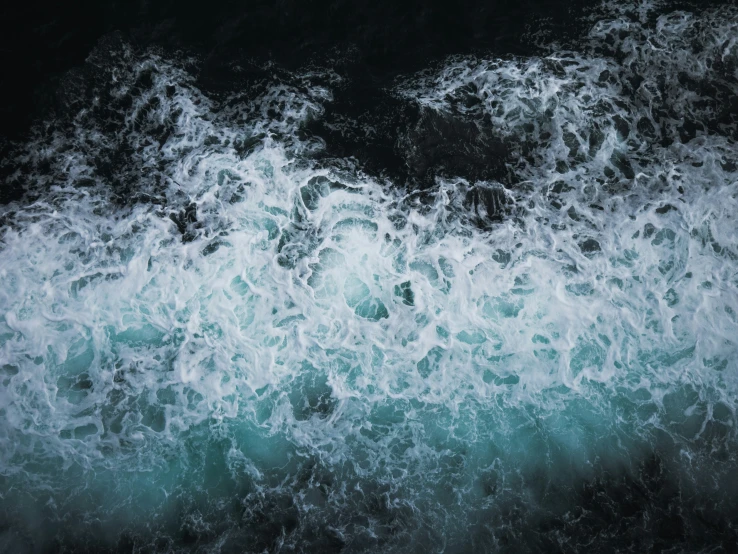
<point x="329" y="366"/>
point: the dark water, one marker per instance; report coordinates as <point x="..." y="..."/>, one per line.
<point x="370" y="277"/>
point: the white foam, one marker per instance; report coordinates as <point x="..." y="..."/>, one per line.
<point x="288" y="328"/>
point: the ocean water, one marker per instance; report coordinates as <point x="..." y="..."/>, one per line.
<point x="214" y="339"/>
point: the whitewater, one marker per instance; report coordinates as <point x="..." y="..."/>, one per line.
<point x="213" y="339"/>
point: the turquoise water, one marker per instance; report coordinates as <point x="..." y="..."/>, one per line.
<point x="317" y="361"/>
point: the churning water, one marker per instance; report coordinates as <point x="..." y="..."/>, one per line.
<point x="214" y="340"/>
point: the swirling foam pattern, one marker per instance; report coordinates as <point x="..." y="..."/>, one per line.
<point x="211" y="342"/>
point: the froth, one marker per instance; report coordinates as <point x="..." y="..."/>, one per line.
<point x="323" y="336"/>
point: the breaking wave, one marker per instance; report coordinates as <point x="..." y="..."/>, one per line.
<point x="212" y="339"/>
